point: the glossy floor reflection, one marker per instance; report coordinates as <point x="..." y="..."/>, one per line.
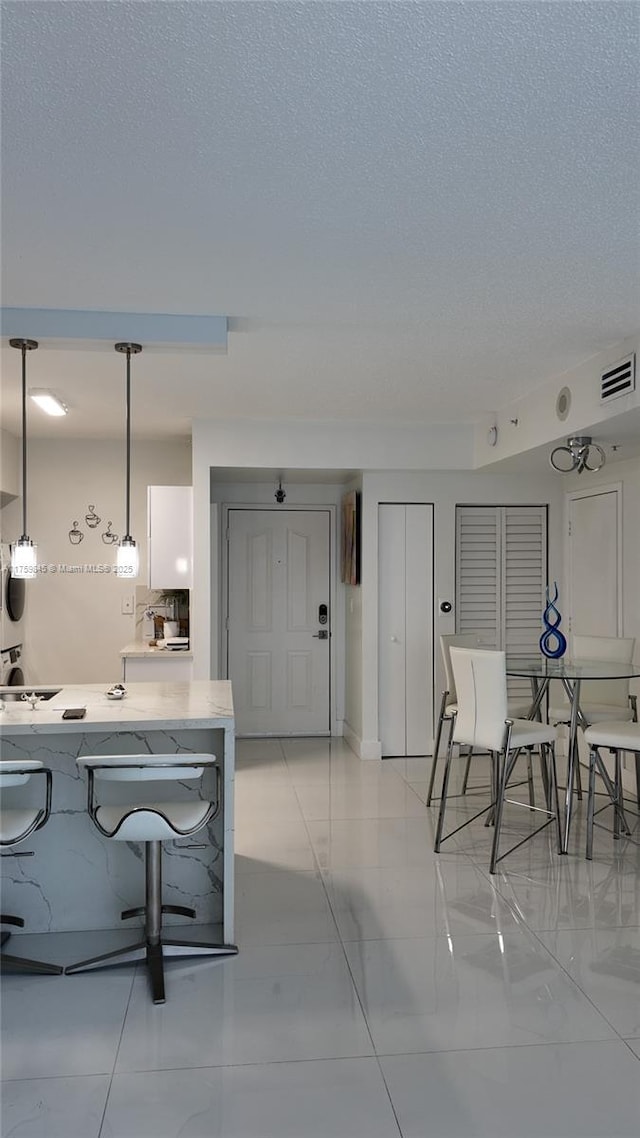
<point x="380" y="991"/>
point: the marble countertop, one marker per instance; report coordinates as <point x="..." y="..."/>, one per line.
<point x="138" y="649"/>
<point x="161" y="706"/>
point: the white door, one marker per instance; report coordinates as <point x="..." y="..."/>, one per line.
<point x="278" y="635"/>
<point x="405" y="628"/>
<point x="593" y="563"/>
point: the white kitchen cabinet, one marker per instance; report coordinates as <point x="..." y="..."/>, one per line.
<point x="171" y="666"/>
<point x="170" y="536"/>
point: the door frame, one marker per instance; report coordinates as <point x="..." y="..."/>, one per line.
<point x="335" y="725"/>
<point x="592" y="492"/>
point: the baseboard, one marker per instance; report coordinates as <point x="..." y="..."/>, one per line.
<point x="363" y="748"/>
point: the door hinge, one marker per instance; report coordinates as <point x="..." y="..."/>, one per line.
<point x="569" y="529"/>
<point x="227" y="534"/>
<point x="226" y="623"/>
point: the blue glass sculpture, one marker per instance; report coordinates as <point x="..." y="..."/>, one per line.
<point x="552" y="642"/>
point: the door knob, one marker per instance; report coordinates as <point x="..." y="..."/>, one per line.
<point x="321" y="635"/>
<point x="394" y="640"/>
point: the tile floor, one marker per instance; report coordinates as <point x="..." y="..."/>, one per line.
<point x="380" y="991"/>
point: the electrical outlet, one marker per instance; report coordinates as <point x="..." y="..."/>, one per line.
<point x="127" y="604"/>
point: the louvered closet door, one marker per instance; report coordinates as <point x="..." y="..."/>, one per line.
<point x="501" y="577"/>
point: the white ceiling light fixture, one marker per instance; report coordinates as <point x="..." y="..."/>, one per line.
<point x="580" y="453"/>
<point x="127" y="562"/>
<point x="47" y="401"/>
<point x="23" y="551"/>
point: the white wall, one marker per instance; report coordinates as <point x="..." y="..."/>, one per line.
<point x="74" y="625"/>
<point x="537" y="422"/>
<point x="10" y="468"/>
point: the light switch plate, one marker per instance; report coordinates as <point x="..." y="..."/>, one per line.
<point x="128" y="602"/>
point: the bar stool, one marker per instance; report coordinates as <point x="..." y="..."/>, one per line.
<point x="17" y="824"/>
<point x="614" y="737"/>
<point x="152" y="823"/>
<point x="482" y="721"/>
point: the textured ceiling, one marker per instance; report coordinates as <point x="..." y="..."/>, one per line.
<point x="409" y="211"/>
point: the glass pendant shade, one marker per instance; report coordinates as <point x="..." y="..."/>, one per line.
<point x="24" y="558"/>
<point x="127" y="563"/>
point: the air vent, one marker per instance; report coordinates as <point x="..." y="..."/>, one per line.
<point x="618" y="380"/>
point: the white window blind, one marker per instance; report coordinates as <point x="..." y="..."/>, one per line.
<point x="501" y="573"/>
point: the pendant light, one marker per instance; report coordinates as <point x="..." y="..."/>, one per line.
<point x="23" y="551"/>
<point x="127" y="558"/>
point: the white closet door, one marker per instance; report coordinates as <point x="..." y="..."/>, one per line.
<point x="593" y="573"/>
<point x="392" y="704"/>
<point x="405" y="628"/>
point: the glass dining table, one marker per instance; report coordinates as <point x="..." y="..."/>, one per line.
<point x="571" y="674"/>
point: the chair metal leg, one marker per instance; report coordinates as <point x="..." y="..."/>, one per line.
<point x="591" y="802"/>
<point x="578" y="777"/>
<point x="443" y="794"/>
<point x="130" y="954"/>
<point x="532" y="793"/>
<point x="152" y="948"/>
<point x="22" y="964"/>
<point x="466" y="770"/>
<point x="155" y="970"/>
<point x="502" y="786"/>
<point x="554" y="803"/>
<point x="9" y="963"/>
<point x="616" y="788"/>
<point x="545" y="774"/>
<point x="436" y="749"/>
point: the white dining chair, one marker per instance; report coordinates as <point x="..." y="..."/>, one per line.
<point x="482" y="721"/>
<point x="449" y="708"/>
<point x="604" y="699"/>
<point x="616" y="738"/>
<point x="448" y="704"/>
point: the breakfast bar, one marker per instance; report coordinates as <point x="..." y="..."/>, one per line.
<point x="78" y="880"/>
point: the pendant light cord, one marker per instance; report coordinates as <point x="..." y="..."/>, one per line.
<point x="24" y="439"/>
<point x="128" y="486"/>
<point x="129" y="350"/>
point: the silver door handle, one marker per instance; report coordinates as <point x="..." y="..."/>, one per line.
<point x="321" y="635"/>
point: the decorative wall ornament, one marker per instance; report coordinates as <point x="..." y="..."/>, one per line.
<point x="552" y="642"/>
<point x="76" y="535"/>
<point x="92" y="519"/>
<point x="108" y="537"/>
